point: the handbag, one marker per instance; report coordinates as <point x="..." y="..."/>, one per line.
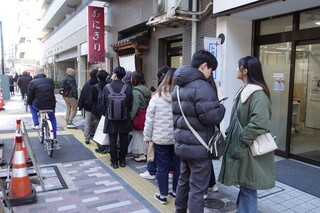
<point x="216" y="144"/>
<point x="263" y="144"/>
<point x="100" y="137"/>
<point x="139" y="119"/>
<point x="150" y="152"/>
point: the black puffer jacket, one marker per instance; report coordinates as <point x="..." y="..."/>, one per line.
<point x="202" y="109"/>
<point x="85" y="99"/>
<point x="41" y="92"/>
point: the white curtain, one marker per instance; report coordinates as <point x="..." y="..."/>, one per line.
<point x="128" y="62"/>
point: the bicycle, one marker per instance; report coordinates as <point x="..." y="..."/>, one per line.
<point x="46" y="132"/>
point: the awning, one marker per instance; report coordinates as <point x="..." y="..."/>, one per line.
<point x="136" y="42"/>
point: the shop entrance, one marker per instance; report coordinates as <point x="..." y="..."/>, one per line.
<point x="305" y="128"/>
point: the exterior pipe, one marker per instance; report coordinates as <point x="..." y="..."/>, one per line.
<point x="194" y="29"/>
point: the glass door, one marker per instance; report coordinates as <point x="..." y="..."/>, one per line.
<point x="305" y="128"/>
<point x="275" y="60"/>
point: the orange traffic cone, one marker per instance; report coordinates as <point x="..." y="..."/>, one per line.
<point x="25" y="152"/>
<point x="21" y="192"/>
<point x="1" y="100"/>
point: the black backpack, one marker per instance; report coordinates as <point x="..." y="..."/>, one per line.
<point x="116" y="107"/>
<point x="100" y="109"/>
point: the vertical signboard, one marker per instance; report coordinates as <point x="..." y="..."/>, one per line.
<point x="96" y="52"/>
<point x="212" y="45"/>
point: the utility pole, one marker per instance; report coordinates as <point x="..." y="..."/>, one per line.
<point x="2" y="51"/>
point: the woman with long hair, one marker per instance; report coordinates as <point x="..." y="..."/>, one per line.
<point x="159" y="129"/>
<point x="141" y="96"/>
<point x="250" y="117"/>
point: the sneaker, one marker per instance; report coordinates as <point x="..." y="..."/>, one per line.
<point x="158" y="197"/>
<point x="71" y="126"/>
<point x="205" y="196"/>
<point x="172" y="194"/>
<point x="147" y="175"/>
<point x="36" y="127"/>
<point x="170" y="174"/>
<point x="87" y="142"/>
<point x="214" y="188"/>
<point x="141" y="158"/>
<point x="101" y="151"/>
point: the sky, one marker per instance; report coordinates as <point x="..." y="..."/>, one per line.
<point x="8" y="15"/>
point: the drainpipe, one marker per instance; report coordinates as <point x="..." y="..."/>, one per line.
<point x="194" y="29"/>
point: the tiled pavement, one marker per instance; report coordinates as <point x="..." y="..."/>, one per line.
<point x="93" y="186"/>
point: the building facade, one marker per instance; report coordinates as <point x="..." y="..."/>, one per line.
<point x="146" y="35"/>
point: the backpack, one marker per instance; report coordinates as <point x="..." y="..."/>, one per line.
<point x="100" y="108"/>
<point x="63" y="90"/>
<point x="116" y="107"/>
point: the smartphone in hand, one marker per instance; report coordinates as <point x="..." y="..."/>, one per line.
<point x="223" y="99"/>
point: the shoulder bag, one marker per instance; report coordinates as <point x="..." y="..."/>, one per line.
<point x="263" y="144"/>
<point x="216" y="144"/>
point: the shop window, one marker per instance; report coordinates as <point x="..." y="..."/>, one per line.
<point x="276" y="25"/>
<point x="310" y="19"/>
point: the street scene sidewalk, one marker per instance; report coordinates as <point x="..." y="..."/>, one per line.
<point x="89" y="184"/>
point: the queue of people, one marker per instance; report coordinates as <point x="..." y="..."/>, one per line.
<point x="177" y="150"/>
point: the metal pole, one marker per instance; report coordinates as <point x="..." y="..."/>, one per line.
<point x="2" y="51"/>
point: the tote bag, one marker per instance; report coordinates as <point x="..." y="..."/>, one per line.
<point x="100" y="137"/>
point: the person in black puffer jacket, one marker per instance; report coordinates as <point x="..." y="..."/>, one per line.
<point x="86" y="104"/>
<point x="202" y="109"/>
<point x="40" y="96"/>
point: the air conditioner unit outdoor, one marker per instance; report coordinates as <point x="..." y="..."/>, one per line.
<point x="161" y="7"/>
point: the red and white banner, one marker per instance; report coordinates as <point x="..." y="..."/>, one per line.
<point x="96" y="51"/>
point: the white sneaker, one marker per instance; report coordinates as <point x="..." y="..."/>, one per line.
<point x="35" y="127"/>
<point x="147" y="175"/>
<point x="141" y="158"/>
<point x="214" y="188"/>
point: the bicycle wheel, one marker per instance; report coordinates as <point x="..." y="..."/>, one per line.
<point x="49" y="138"/>
<point x="41" y="132"/>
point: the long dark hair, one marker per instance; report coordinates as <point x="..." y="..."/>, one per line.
<point x="255" y="75"/>
<point x="167" y="83"/>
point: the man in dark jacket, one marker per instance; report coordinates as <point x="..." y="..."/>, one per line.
<point x="23" y="83"/>
<point x="119" y="128"/>
<point x="202" y="109"/>
<point x="41" y="97"/>
<point x="86" y="104"/>
<point x="103" y="79"/>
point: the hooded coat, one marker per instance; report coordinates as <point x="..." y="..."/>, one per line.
<point x="251" y="110"/>
<point x="201" y="107"/>
<point x="141" y="96"/>
<point x="159" y="120"/>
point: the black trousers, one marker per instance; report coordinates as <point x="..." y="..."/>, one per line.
<point x="123" y="146"/>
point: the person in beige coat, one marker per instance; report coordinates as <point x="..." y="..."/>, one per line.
<point x="69" y="92"/>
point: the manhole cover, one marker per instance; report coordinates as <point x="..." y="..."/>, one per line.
<point x="213" y="203"/>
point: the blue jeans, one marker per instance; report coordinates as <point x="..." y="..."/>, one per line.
<point x="165" y="157"/>
<point x="34" y="110"/>
<point x="152" y="167"/>
<point x="247" y="201"/>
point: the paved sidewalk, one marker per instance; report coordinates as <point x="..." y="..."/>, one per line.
<point x="95" y="187"/>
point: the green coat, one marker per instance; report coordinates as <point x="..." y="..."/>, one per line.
<point x="141" y="96"/>
<point x="239" y="167"/>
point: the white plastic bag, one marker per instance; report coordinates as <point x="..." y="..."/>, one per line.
<point x="100" y="137"/>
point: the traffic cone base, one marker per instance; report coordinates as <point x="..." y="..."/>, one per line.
<point x="24" y="201"/>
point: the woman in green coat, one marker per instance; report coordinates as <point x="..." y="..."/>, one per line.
<point x="250" y="117"/>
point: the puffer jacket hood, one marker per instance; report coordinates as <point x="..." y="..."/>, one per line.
<point x="187" y="74"/>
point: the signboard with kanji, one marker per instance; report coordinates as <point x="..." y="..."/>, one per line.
<point x="96" y="52"/>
